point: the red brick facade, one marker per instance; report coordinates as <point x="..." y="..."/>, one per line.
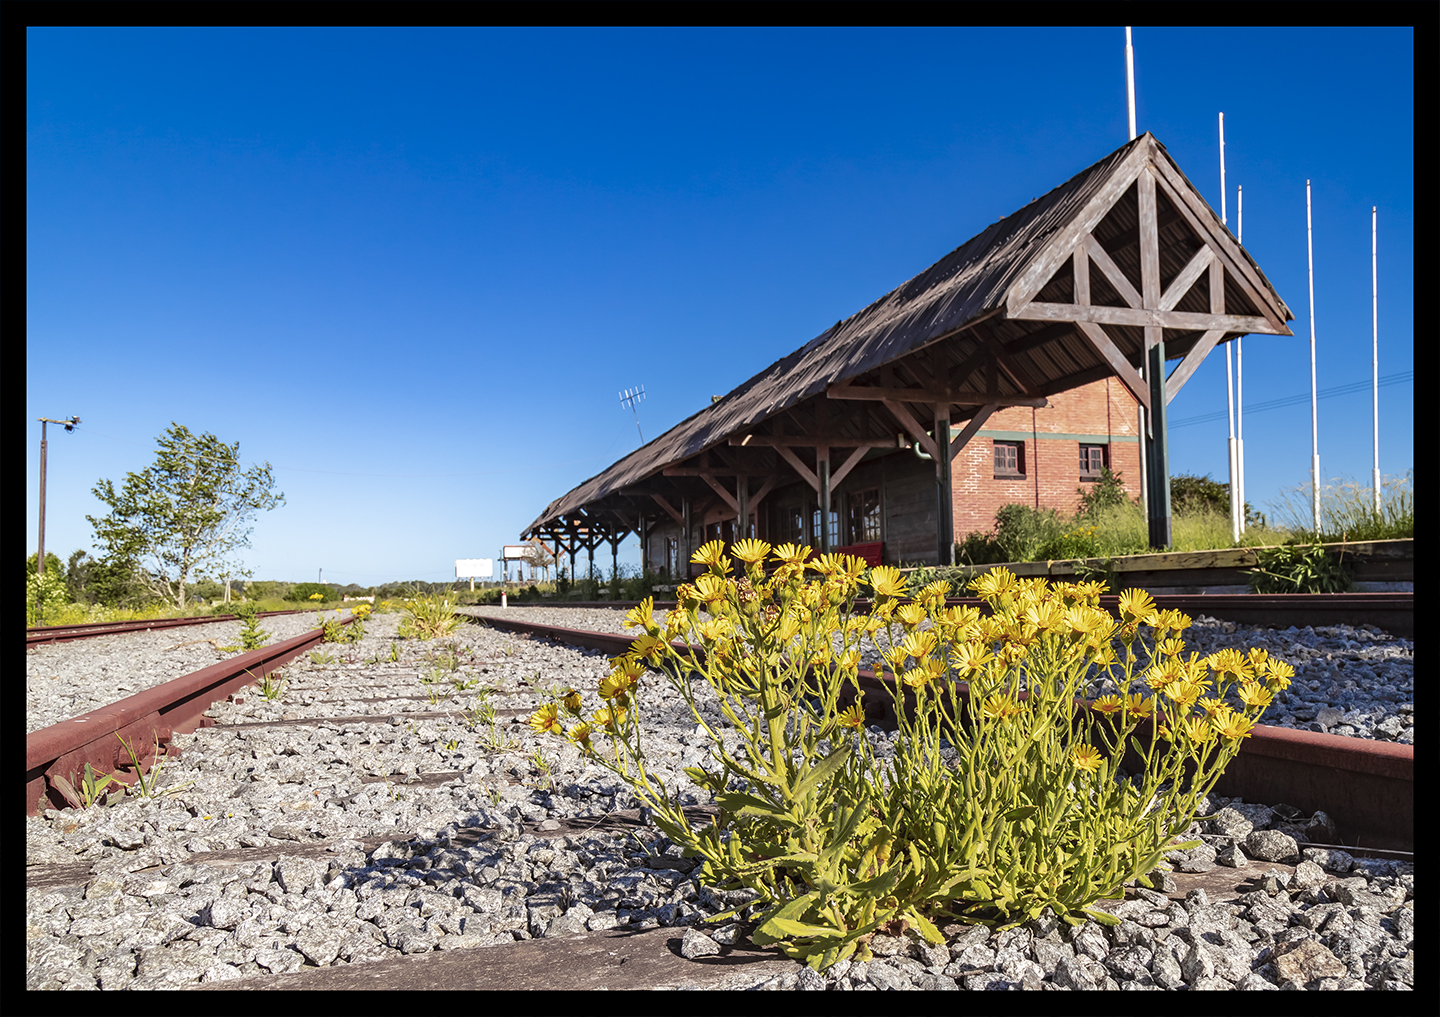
<point x="1048" y="444"/>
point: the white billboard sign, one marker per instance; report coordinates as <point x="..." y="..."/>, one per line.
<point x="474" y="568"/>
<point x="516" y="552"/>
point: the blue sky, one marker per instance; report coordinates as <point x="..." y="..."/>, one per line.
<point x="412" y="269"/>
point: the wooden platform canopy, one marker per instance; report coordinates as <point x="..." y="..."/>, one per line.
<point x="1116" y="271"/>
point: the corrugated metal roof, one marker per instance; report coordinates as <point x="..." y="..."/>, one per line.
<point x="966" y="284"/>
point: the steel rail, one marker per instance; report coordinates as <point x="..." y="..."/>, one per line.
<point x="55" y="756"/>
<point x="1366" y="786"/>
<point x="39" y="634"/>
<point x="1391" y="612"/>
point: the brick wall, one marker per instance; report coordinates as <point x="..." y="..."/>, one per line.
<point x="1098" y="413"/>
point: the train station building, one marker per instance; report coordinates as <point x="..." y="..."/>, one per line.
<point x="1013" y="370"/>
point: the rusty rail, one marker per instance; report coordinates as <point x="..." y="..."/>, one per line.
<point x="1367" y="787"/>
<point x="55" y="756"/>
<point x="38" y="634"/>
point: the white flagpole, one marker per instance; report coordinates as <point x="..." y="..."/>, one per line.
<point x="1229" y="383"/>
<point x="1144" y="358"/>
<point x="1314" y="408"/>
<point x="1240" y="376"/>
<point x="1375" y="359"/>
<point x="1130" y="81"/>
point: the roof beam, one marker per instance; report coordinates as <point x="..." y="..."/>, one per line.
<point x="1110" y="270"/>
<point x="1181" y="284"/>
<point x="1117" y="361"/>
<point x="1183" y="321"/>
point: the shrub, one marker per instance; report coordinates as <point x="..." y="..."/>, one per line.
<point x="428" y="616"/>
<point x="1296" y="569"/>
<point x="304" y="592"/>
<point x="1003" y="797"/>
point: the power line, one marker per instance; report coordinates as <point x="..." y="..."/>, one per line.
<point x="1295" y="400"/>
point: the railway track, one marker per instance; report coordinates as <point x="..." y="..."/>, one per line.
<point x="441" y="763"/>
<point x="38" y="635"/>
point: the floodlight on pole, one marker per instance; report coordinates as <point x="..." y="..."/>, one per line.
<point x="44" y="423"/>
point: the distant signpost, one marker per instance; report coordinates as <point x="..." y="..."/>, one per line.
<point x="472" y="567"/>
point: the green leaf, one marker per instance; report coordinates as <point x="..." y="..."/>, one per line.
<point x="1020" y="814"/>
<point x="741" y="804"/>
<point x="790" y="927"/>
<point x="1101" y="916"/>
<point x="822" y="770"/>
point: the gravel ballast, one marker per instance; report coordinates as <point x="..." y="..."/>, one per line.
<point x="403" y="834"/>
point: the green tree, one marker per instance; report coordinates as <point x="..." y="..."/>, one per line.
<point x="44" y="594"/>
<point x="183" y="518"/>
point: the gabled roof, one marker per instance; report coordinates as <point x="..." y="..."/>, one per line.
<point x="1000" y="276"/>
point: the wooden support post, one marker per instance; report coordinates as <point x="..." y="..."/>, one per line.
<point x="824" y="468"/>
<point x="945" y="507"/>
<point x="685" y="551"/>
<point x="742" y="504"/>
<point x="1158" y="453"/>
<point x="644" y="545"/>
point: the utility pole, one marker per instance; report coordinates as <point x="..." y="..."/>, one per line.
<point x="69" y="426"/>
<point x="1314" y="411"/>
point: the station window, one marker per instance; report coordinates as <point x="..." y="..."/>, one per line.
<point x="1092" y="461"/>
<point x="1009" y="459"/>
<point x="834" y="526"/>
<point x="863" y="517"/>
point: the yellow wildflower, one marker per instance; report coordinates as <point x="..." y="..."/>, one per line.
<point x="572" y="703"/>
<point x="1232" y="725"/>
<point x="712" y="553"/>
<point x="643" y="617"/>
<point x="546" y="719"/>
<point x="580" y="734"/>
<point x="910" y="614"/>
<point x="750" y="550"/>
<point x="886" y="581"/>
<point x="853" y="716"/>
<point x="1197" y="730"/>
<point x="1213" y="707"/>
<point x="1136" y="605"/>
<point x="1107" y="704"/>
<point x="970" y="657"/>
<point x="1139" y="705"/>
<point x="1086" y="757"/>
<point x="995" y="583"/>
<point x="792" y="554"/>
<point x="1252" y="693"/>
<point x="1278" y="673"/>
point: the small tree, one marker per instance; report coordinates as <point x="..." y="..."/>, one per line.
<point x="539" y="558"/>
<point x="182" y="518"/>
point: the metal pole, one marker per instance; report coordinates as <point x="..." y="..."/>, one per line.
<point x="40" y="557"/>
<point x="1240" y="376"/>
<point x="1130" y="81"/>
<point x="1229" y="387"/>
<point x="1375" y="359"/>
<point x="1314" y="406"/>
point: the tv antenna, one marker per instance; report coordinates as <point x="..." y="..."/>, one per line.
<point x="629" y="397"/>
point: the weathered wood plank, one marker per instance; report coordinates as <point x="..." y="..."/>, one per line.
<point x="671" y="509"/>
<point x="976" y="422"/>
<point x="1206" y="225"/>
<point x="1107" y="349"/>
<point x="807" y="441"/>
<point x="849" y="464"/>
<point x="1149" y="242"/>
<point x="1061" y="246"/>
<point x="806" y="474"/>
<point x="1080" y="266"/>
<point x="1181" y="284"/>
<point x="1111" y="271"/>
<point x="719" y="489"/>
<point x="907" y="420"/>
<point x="1185" y="321"/>
<point x="1186" y="367"/>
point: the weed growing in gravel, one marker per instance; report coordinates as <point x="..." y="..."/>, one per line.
<point x="92" y="788"/>
<point x="428" y="616"/>
<point x="1001" y="799"/>
<point x="270" y="685"/>
<point x="322" y="657"/>
<point x="150" y="788"/>
<point x="252" y="637"/>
